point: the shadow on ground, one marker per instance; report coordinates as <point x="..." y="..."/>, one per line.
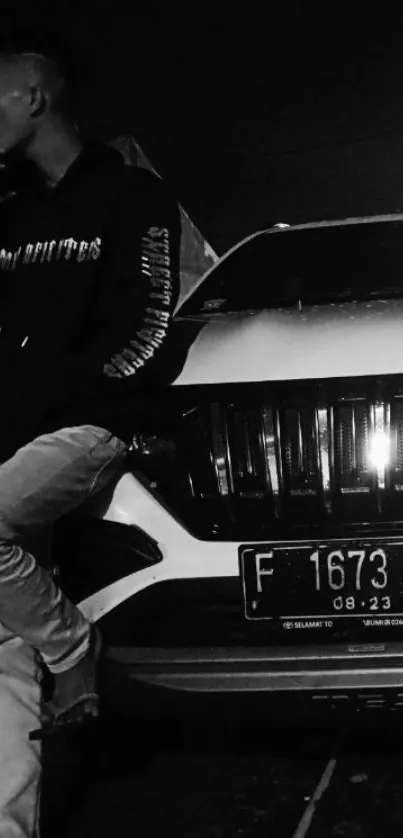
<point x="216" y="771"/>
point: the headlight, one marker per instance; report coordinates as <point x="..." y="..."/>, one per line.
<point x="379" y="450"/>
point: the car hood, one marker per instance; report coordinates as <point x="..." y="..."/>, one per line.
<point x="319" y="341"/>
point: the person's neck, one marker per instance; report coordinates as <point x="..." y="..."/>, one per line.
<point x="53" y="149"/>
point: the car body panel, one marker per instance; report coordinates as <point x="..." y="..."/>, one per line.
<point x="184" y="557"/>
<point x="321" y="341"/>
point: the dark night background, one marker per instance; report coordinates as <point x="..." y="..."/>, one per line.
<point x="294" y="114"/>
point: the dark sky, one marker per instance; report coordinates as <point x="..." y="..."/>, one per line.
<point x="284" y="116"/>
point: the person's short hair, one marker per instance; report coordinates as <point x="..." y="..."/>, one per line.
<point x="53" y="62"/>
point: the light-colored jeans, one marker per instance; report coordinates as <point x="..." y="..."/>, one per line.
<point x="44" y="480"/>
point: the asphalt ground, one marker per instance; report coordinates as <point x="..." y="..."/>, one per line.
<point x="235" y="772"/>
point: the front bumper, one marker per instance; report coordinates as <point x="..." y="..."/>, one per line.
<point x="178" y="626"/>
<point x="312" y="670"/>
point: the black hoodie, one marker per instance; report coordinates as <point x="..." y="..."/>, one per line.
<point x="89" y="278"/>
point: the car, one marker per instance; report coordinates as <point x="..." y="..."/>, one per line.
<point x="256" y="545"/>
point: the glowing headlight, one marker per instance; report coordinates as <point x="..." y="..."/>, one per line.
<point x="379" y="450"/>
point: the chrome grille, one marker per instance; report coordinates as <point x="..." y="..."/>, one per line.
<point x="296" y="461"/>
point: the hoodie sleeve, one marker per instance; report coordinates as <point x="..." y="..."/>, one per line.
<point x="139" y="288"/>
<point x="122" y="344"/>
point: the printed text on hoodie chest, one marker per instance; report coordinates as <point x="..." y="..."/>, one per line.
<point x="51" y="251"/>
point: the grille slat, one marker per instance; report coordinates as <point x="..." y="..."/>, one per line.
<point x="323" y="426"/>
<point x="245" y="439"/>
<point x="399" y="439"/>
<point x="271" y="452"/>
<point x="300" y="461"/>
<point x="219" y="450"/>
<point x="396" y="430"/>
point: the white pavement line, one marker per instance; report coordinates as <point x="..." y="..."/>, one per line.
<point x="306" y="819"/>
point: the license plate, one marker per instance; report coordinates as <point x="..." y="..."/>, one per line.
<point x="315" y="585"/>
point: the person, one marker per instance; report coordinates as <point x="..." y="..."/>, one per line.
<point x="89" y="278"/>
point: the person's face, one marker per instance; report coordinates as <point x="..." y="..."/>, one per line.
<point x="15" y="110"/>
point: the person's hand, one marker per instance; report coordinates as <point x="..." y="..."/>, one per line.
<point x="75" y="700"/>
